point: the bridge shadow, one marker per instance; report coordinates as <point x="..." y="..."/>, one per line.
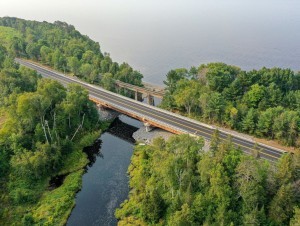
<point x="122" y="130"/>
<point x="117" y="129"/>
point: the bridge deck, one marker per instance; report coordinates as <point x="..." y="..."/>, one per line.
<point x="155" y="116"/>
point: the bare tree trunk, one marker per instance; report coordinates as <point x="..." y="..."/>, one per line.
<point x="79" y="127"/>
<point x="44" y="129"/>
<point x="46" y="124"/>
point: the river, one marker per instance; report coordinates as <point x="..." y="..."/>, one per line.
<point x="156" y="36"/>
<point x="105" y="183"/>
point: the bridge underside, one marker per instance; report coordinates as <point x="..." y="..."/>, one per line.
<point x="152" y="123"/>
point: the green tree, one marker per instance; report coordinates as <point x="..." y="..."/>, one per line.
<point x="74" y="65"/>
<point x="249" y="121"/>
<point x="187" y="94"/>
<point x="296" y="219"/>
<point x="152" y="207"/>
<point x="59" y="61"/>
<point x="107" y="82"/>
<point x="251" y="182"/>
<point x="218" y="75"/>
<point x="213" y="106"/>
<point x="254" y="96"/>
<point x="282" y="205"/>
<point x="33" y="51"/>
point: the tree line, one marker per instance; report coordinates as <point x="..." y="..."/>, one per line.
<point x="177" y="183"/>
<point x="264" y="103"/>
<point x="60" y="46"/>
<point x="43" y="124"/>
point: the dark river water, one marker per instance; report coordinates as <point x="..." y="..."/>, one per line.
<point x="155" y="36"/>
<point x="105" y="183"/>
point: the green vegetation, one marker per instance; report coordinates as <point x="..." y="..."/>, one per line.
<point x="63" y="48"/>
<point x="264" y="103"/>
<point x="177" y="183"/>
<point x="43" y="129"/>
<point x="43" y="125"/>
<point x="7" y="35"/>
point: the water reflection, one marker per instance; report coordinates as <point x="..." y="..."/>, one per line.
<point x="105" y="183"/>
<point x="122" y="130"/>
<point x="94" y="151"/>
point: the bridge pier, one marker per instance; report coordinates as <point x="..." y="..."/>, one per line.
<point x="148" y="127"/>
<point x="150" y="100"/>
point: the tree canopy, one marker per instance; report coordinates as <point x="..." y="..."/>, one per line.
<point x="62" y="47"/>
<point x="177" y="183"/>
<point x="264" y="102"/>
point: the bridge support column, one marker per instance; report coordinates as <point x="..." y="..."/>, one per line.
<point x="101" y="107"/>
<point x="148" y="127"/>
<point x="150" y="100"/>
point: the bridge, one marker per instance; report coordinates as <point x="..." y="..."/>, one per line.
<point x="157" y="117"/>
<point x="150" y="93"/>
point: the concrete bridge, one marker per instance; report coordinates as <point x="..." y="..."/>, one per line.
<point x="157" y="117"/>
<point x="150" y="93"/>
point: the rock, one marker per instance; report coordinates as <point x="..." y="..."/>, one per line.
<point x="143" y="136"/>
<point x="106" y="114"/>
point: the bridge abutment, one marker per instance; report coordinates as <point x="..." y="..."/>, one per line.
<point x="106" y="114"/>
<point x="148" y="126"/>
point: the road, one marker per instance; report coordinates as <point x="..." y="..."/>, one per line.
<point x="161" y="117"/>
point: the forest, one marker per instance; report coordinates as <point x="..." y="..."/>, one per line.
<point x="264" y="103"/>
<point x="176" y="183"/>
<point x="60" y="46"/>
<point x="43" y="125"/>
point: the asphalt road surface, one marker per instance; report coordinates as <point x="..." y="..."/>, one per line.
<point x="160" y="116"/>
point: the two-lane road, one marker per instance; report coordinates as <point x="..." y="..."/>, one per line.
<point x="160" y="117"/>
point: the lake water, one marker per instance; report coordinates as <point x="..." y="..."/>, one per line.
<point x="156" y="36"/>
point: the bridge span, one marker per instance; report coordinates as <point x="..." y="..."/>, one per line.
<point x="155" y="116"/>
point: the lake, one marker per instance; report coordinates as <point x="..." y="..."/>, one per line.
<point x="156" y="36"/>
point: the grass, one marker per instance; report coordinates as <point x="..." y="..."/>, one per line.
<point x="55" y="206"/>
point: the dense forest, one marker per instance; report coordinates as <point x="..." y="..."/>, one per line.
<point x="62" y="47"/>
<point x="264" y="103"/>
<point x="177" y="183"/>
<point x="43" y="128"/>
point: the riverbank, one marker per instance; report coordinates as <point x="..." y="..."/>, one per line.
<point x="105" y="181"/>
<point x="55" y="204"/>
